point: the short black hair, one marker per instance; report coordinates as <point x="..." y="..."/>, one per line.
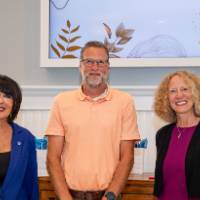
<point x="96" y="44"/>
<point x="10" y="87"/>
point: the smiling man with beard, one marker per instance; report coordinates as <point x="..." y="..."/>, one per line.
<point x="91" y="133"/>
<point x="94" y="68"/>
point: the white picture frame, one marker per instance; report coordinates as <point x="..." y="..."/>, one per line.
<point x="45" y="61"/>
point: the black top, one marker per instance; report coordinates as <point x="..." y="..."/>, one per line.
<point x="4" y="163"/>
<point x="192" y="161"/>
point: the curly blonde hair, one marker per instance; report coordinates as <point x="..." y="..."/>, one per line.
<point x="161" y="102"/>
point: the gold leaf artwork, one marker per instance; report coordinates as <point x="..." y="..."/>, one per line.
<point x="55" y="50"/>
<point x="75" y="29"/>
<point x="65" y="31"/>
<point x="68" y="24"/>
<point x="63" y="38"/>
<point x="69" y="56"/>
<point x="73" y="48"/>
<point x="60" y="46"/>
<point x="65" y="47"/>
<point x="122" y="37"/>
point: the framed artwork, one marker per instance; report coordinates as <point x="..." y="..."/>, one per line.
<point x="138" y="33"/>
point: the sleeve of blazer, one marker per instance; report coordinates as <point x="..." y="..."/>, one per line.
<point x="158" y="135"/>
<point x="31" y="176"/>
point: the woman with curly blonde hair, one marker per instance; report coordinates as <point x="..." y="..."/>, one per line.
<point x="177" y="172"/>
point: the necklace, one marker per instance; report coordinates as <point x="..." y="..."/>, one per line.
<point x="179" y="132"/>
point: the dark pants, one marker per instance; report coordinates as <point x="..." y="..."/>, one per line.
<point x="90" y="195"/>
<point x="119" y="198"/>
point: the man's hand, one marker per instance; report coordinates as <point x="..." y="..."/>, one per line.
<point x="104" y="198"/>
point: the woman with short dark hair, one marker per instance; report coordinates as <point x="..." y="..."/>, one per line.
<point x="18" y="173"/>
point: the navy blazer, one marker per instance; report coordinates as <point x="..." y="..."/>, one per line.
<point x="21" y="181"/>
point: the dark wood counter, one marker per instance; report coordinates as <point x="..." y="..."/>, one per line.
<point x="46" y="189"/>
<point x="138" y="187"/>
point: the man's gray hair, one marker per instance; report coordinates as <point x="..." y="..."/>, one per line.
<point x="96" y="44"/>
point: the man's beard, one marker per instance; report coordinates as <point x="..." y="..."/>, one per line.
<point x="94" y="83"/>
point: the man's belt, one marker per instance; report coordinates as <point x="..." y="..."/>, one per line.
<point x="87" y="195"/>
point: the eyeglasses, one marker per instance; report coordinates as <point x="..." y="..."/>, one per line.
<point x="89" y="62"/>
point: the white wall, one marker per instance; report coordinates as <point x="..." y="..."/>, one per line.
<point x="20" y="52"/>
<point x="37" y="102"/>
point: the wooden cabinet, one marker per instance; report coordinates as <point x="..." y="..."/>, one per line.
<point x="138" y="187"/>
<point x="46" y="189"/>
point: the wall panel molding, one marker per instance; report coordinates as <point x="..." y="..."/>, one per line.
<point x="37" y="101"/>
<point x="40" y="97"/>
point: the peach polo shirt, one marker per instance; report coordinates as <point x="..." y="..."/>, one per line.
<point x="92" y="131"/>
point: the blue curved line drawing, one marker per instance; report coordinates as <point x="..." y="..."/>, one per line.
<point x="59" y="8"/>
<point x="159" y="46"/>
